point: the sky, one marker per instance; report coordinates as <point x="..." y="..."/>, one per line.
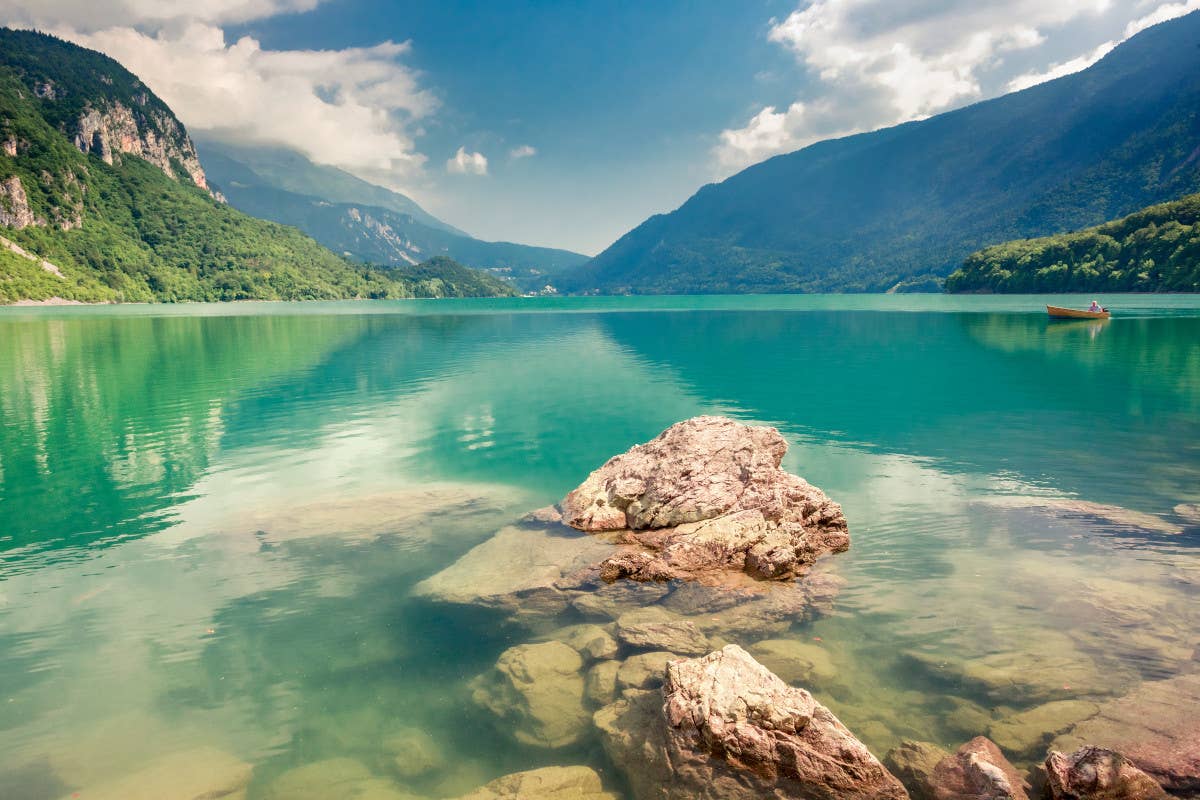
<point x="568" y="123"/>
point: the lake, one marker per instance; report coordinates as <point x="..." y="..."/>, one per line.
<point x="212" y="516"/>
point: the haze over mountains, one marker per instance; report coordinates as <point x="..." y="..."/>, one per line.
<point x="360" y="220"/>
<point x="902" y="207"/>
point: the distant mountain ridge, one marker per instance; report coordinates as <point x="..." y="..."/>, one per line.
<point x="360" y="220"/>
<point x="103" y="198"/>
<point x="907" y="204"/>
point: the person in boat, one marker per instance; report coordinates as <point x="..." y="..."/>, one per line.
<point x="1094" y="307"/>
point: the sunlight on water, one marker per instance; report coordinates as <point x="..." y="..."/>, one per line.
<point x="211" y="523"/>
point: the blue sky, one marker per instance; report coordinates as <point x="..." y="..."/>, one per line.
<point x="567" y="123"/>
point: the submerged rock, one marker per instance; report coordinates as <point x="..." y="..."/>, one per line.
<point x="1156" y="726"/>
<point x="657" y="629"/>
<point x="537" y="689"/>
<point x="186" y="775"/>
<point x="547" y="783"/>
<point x="1114" y="516"/>
<point x="795" y="662"/>
<point x="1189" y="512"/>
<point x="343" y="778"/>
<point x="592" y="642"/>
<point x="704" y="497"/>
<point x="977" y="771"/>
<point x="644" y="670"/>
<point x="1026" y="734"/>
<point x="1094" y="773"/>
<point x="725" y="727"/>
<point x="413" y="753"/>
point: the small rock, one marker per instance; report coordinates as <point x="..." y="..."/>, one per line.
<point x="1093" y="773"/>
<point x="656" y="629"/>
<point x="643" y="671"/>
<point x="343" y="778"/>
<point x="795" y="662"/>
<point x="1189" y="512"/>
<point x="600" y="685"/>
<point x="413" y="752"/>
<point x="592" y="642"/>
<point x="189" y="774"/>
<point x="547" y="783"/>
<point x="914" y="763"/>
<point x="977" y="771"/>
<point x="537" y="689"/>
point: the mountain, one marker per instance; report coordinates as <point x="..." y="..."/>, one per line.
<point x="1155" y="250"/>
<point x="905" y="204"/>
<point x="103" y="198"/>
<point x="362" y="221"/>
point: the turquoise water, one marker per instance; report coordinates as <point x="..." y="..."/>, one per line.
<point x="211" y="516"/>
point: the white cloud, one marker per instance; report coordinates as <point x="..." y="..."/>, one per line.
<point x="345" y="107"/>
<point x="91" y="15"/>
<point x="1161" y="14"/>
<point x="877" y="63"/>
<point x="524" y="151"/>
<point x="464" y="163"/>
<point x="1059" y="70"/>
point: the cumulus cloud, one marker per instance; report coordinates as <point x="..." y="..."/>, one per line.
<point x="1060" y="70"/>
<point x="90" y="15"/>
<point x="464" y="163"/>
<point x="346" y="107"/>
<point x="524" y="151"/>
<point x="875" y="63"/>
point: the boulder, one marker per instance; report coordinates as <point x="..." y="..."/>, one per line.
<point x="977" y="771"/>
<point x="1027" y="733"/>
<point x="547" y="783"/>
<point x="1094" y="773"/>
<point x="644" y="671"/>
<point x="657" y="629"/>
<point x="600" y="685"/>
<point x="537" y="690"/>
<point x="725" y="727"/>
<point x="794" y="661"/>
<point x="201" y="772"/>
<point x="914" y="763"/>
<point x="343" y="778"/>
<point x="707" y="496"/>
<point x="1189" y="512"/>
<point x="413" y="753"/>
<point x="592" y="642"/>
<point x="1156" y="726"/>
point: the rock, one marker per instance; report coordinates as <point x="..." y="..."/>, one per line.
<point x="547" y="783"/>
<point x="964" y="719"/>
<point x="413" y="753"/>
<point x="1189" y="512"/>
<point x="1114" y="516"/>
<point x="197" y="774"/>
<point x="537" y="689"/>
<point x="1093" y="773"/>
<point x="656" y="629"/>
<point x="1156" y="726"/>
<point x="644" y="671"/>
<point x="600" y="685"/>
<point x="1022" y="676"/>
<point x="977" y="771"/>
<point x="15" y="211"/>
<point x="521" y="571"/>
<point x="795" y="662"/>
<point x="609" y="601"/>
<point x="758" y="611"/>
<point x="725" y="727"/>
<point x="343" y="778"/>
<point x="1026" y="734"/>
<point x="591" y="641"/>
<point x="913" y="763"/>
<point x="705" y="497"/>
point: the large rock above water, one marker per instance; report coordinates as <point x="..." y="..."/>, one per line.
<point x="547" y="783"/>
<point x="725" y="727"/>
<point x="1093" y="773"/>
<point x="704" y="497"/>
<point x="977" y="771"/>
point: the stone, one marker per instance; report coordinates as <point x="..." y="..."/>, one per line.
<point x="547" y="783"/>
<point x="1027" y="733"/>
<point x="413" y="753"/>
<point x="725" y="727"/>
<point x="537" y="690"/>
<point x="1114" y="516"/>
<point x="1094" y="773"/>
<point x="343" y="778"/>
<point x="644" y="670"/>
<point x="15" y="211"/>
<point x="977" y="771"/>
<point x="1156" y="726"/>
<point x="964" y="719"/>
<point x="592" y="642"/>
<point x="914" y="763"/>
<point x="1189" y="512"/>
<point x="1022" y="676"/>
<point x="600" y="684"/>
<point x="609" y="601"/>
<point x="795" y="662"/>
<point x="705" y="497"/>
<point x="519" y="571"/>
<point x="657" y="629"/>
<point x="197" y="774"/>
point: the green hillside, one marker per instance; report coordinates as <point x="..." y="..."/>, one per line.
<point x="1154" y="250"/>
<point x="129" y="220"/>
<point x="901" y="205"/>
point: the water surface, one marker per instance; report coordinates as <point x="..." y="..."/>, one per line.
<point x="211" y="516"/>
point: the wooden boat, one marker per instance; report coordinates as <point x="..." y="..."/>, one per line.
<point x="1070" y="313"/>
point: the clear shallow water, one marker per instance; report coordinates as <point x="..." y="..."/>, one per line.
<point x="211" y="516"/>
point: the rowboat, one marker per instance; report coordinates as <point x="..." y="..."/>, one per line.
<point x="1070" y="313"/>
